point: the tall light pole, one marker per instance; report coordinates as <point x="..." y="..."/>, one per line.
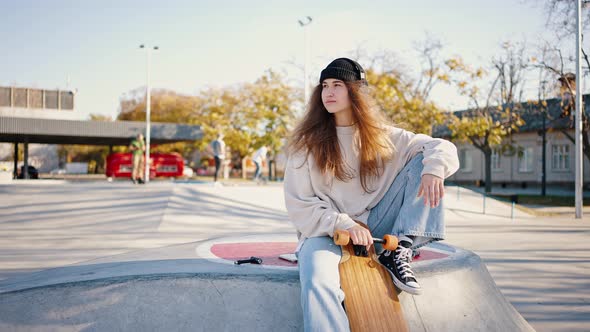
<point x="147" y="112"/>
<point x="543" y="134"/>
<point x="578" y="117"/>
<point x="304" y="24"/>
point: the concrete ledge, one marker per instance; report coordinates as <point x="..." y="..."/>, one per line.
<point x="202" y="302"/>
<point x="464" y="298"/>
<point x="204" y="295"/>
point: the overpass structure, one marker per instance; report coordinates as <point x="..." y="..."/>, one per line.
<point x="110" y="133"/>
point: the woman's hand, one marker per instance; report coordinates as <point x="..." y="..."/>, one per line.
<point x="360" y="236"/>
<point x="432" y="188"/>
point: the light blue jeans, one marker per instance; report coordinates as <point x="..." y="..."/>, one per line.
<point x="258" y="171"/>
<point x="399" y="212"/>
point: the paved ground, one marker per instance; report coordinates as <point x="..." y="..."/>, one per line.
<point x="542" y="265"/>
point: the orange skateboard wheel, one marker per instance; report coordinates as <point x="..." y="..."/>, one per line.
<point x="389" y="242"/>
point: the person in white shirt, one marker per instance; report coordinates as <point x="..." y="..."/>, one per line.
<point x="258" y="157"/>
<point x="347" y="166"/>
<point x="218" y="147"/>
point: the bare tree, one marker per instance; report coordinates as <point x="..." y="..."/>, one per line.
<point x="560" y="16"/>
<point x="403" y="93"/>
<point x="485" y="126"/>
<point x="429" y="53"/>
<point x="568" y="91"/>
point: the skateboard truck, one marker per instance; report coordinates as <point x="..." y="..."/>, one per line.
<point x="378" y="240"/>
<point x="251" y="260"/>
<point x="342" y="237"/>
<point x="360" y="250"/>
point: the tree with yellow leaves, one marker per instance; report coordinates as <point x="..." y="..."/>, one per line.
<point x="249" y="114"/>
<point x="489" y="128"/>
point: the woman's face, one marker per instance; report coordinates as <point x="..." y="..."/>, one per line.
<point x="335" y="96"/>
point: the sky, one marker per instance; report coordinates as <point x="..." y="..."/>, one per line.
<point x="93" y="46"/>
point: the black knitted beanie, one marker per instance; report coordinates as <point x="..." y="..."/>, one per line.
<point x="344" y="69"/>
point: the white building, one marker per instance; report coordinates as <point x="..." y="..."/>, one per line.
<point x="524" y="165"/>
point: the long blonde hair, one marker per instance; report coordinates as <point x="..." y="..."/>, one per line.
<point x="316" y="134"/>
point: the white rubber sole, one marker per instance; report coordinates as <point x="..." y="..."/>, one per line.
<point x="400" y="285"/>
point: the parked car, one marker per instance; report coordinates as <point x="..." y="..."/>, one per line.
<point x="120" y="165"/>
<point x="33" y="172"/>
<point x="58" y="171"/>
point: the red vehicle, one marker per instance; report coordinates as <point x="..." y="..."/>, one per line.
<point x="120" y="165"/>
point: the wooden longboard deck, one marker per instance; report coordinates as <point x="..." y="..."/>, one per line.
<point x="370" y="300"/>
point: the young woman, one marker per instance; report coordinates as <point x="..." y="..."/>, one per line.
<point x="347" y="166"/>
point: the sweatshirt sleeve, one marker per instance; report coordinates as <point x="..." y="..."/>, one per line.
<point x="311" y="215"/>
<point x="440" y="156"/>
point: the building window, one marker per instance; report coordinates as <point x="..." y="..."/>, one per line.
<point x="525" y="160"/>
<point x="5" y="97"/>
<point x="35" y="98"/>
<point x="465" y="160"/>
<point x="66" y="100"/>
<point x="496" y="160"/>
<point x="51" y="99"/>
<point x="20" y="97"/>
<point x="561" y="157"/>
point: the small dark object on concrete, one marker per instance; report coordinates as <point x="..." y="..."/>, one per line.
<point x="251" y="260"/>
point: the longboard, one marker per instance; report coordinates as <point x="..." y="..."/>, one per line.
<point x="371" y="300"/>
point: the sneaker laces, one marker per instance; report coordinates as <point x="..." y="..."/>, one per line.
<point x="403" y="257"/>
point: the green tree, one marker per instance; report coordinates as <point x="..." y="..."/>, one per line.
<point x="249" y="115"/>
<point x="166" y="106"/>
<point x="404" y="107"/>
<point x="219" y="112"/>
<point x="271" y="101"/>
<point x="485" y="126"/>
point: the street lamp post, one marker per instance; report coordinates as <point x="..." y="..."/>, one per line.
<point x="578" y="117"/>
<point x="147" y="112"/>
<point x="543" y="134"/>
<point x="304" y="24"/>
<point x="544" y="156"/>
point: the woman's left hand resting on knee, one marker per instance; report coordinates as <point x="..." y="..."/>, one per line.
<point x="432" y="189"/>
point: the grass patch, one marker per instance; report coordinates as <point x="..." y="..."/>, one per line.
<point x="550" y="200"/>
<point x="533" y="204"/>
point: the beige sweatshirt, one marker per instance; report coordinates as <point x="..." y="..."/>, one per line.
<point x="318" y="204"/>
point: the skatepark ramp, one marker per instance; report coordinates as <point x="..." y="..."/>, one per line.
<point x="210" y="293"/>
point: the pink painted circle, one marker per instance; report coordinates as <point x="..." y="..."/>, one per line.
<point x="269" y="252"/>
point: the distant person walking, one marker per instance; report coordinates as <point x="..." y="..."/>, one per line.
<point x="137" y="148"/>
<point x="258" y="157"/>
<point x="218" y="147"/>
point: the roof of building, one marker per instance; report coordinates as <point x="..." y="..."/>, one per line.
<point x="531" y="114"/>
<point x="51" y="131"/>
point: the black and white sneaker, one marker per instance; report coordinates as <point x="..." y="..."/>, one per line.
<point x="398" y="264"/>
